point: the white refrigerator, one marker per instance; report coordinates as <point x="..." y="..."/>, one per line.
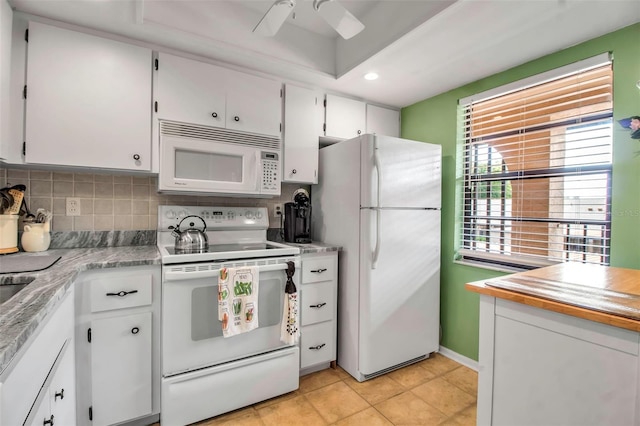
<point x="378" y="197"/>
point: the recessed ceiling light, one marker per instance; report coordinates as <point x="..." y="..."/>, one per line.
<point x="371" y="76"/>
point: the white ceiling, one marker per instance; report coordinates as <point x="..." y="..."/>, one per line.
<point x="420" y="48"/>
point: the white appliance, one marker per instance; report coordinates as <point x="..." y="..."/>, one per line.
<point x="203" y="373"/>
<point x="199" y="159"/>
<point x="378" y="198"/>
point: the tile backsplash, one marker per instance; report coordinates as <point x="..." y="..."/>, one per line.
<point x="115" y="201"/>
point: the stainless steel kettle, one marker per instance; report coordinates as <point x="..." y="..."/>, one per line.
<point x="191" y="239"/>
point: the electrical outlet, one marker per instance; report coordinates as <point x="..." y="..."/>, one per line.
<point x="277" y="210"/>
<point x="73" y="206"/>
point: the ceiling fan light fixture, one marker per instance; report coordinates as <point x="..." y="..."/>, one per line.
<point x="339" y="18"/>
<point x="274" y="18"/>
<point x="371" y="76"/>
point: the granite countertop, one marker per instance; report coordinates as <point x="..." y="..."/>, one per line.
<point x="21" y="315"/>
<point x="314" y="247"/>
<point x="598" y="293"/>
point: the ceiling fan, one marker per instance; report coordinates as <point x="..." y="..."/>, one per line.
<point x="339" y="18"/>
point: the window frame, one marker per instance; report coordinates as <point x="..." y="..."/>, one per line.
<point x="518" y="262"/>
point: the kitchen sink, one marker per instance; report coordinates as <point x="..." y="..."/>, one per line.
<point x="7" y="291"/>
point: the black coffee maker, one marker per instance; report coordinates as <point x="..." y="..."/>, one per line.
<point x="297" y="218"/>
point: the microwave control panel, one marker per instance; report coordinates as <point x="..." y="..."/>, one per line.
<point x="270" y="173"/>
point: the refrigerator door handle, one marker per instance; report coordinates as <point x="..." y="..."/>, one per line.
<point x="376" y="163"/>
<point x="376" y="250"/>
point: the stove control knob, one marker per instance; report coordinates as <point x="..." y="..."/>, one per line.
<point x="182" y="213"/>
<point x="170" y="214"/>
<point x="258" y="215"/>
<point x="248" y="214"/>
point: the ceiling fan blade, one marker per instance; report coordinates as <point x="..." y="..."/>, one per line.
<point x="338" y="17"/>
<point x="274" y="18"/>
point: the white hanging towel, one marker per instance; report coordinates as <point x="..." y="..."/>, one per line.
<point x="238" y="300"/>
<point x="290" y="324"/>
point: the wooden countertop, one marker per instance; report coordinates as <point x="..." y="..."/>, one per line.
<point x="610" y="291"/>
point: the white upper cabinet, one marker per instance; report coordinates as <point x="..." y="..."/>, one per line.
<point x="88" y="101"/>
<point x="383" y="121"/>
<point x="5" y="70"/>
<point x="254" y="104"/>
<point x="199" y="93"/>
<point x="344" y="118"/>
<point x="302" y="126"/>
<point x="190" y="91"/>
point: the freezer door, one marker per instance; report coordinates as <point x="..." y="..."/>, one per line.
<point x="399" y="299"/>
<point x="399" y="172"/>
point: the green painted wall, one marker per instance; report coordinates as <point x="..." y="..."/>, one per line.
<point x="434" y="120"/>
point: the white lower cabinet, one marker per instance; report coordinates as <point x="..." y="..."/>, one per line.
<point x="121" y="353"/>
<point x="118" y="350"/>
<point x="540" y="367"/>
<point x="57" y="399"/>
<point x="318" y="310"/>
<point x="38" y="386"/>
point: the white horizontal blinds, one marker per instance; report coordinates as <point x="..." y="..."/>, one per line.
<point x="537" y="167"/>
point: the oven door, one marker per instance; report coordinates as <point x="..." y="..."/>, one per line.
<point x="196" y="165"/>
<point x="191" y="332"/>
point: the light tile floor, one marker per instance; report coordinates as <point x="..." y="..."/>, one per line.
<point x="436" y="391"/>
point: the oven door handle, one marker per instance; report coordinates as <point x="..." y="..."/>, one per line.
<point x="181" y="274"/>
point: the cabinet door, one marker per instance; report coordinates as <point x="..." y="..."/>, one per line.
<point x="88" y="101"/>
<point x="383" y="121"/>
<point x="121" y="368"/>
<point x="345" y="118"/>
<point x="253" y="104"/>
<point x="62" y="389"/>
<point x="301" y="130"/>
<point x="190" y="91"/>
<point x="6" y="15"/>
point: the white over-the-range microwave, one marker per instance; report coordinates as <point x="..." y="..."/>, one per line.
<point x="203" y="160"/>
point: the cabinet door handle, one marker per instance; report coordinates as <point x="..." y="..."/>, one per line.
<point x="236" y="118"/>
<point x="135" y="330"/>
<point x="59" y="394"/>
<point x="48" y="422"/>
<point x="136" y="157"/>
<point x="319" y="305"/>
<point x="122" y="293"/>
<point x="294" y="171"/>
<point x="359" y="131"/>
<point x="214" y="114"/>
<point x="319" y="271"/>
<point x="316" y="348"/>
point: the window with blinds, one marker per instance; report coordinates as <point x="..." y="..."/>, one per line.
<point x="537" y="172"/>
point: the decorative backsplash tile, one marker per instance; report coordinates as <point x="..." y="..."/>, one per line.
<point x="114" y="202"/>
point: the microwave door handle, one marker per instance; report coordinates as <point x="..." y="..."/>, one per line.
<point x="182" y="275"/>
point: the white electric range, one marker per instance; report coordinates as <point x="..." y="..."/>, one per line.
<point x="204" y="373"/>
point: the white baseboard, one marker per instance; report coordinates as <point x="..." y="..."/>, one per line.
<point x="467" y="362"/>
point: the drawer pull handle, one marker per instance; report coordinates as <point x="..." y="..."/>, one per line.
<point x="48" y="422"/>
<point x="319" y="305"/>
<point x="316" y="348"/>
<point x="59" y="394"/>
<point x="122" y="293"/>
<point x="319" y="271"/>
<point x="135" y="330"/>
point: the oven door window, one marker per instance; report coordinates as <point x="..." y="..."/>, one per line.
<point x="204" y="313"/>
<point x="208" y="166"/>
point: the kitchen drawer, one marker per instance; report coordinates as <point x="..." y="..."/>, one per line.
<point x="120" y="291"/>
<point x="318" y="302"/>
<point x="319" y="269"/>
<point x="317" y="344"/>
